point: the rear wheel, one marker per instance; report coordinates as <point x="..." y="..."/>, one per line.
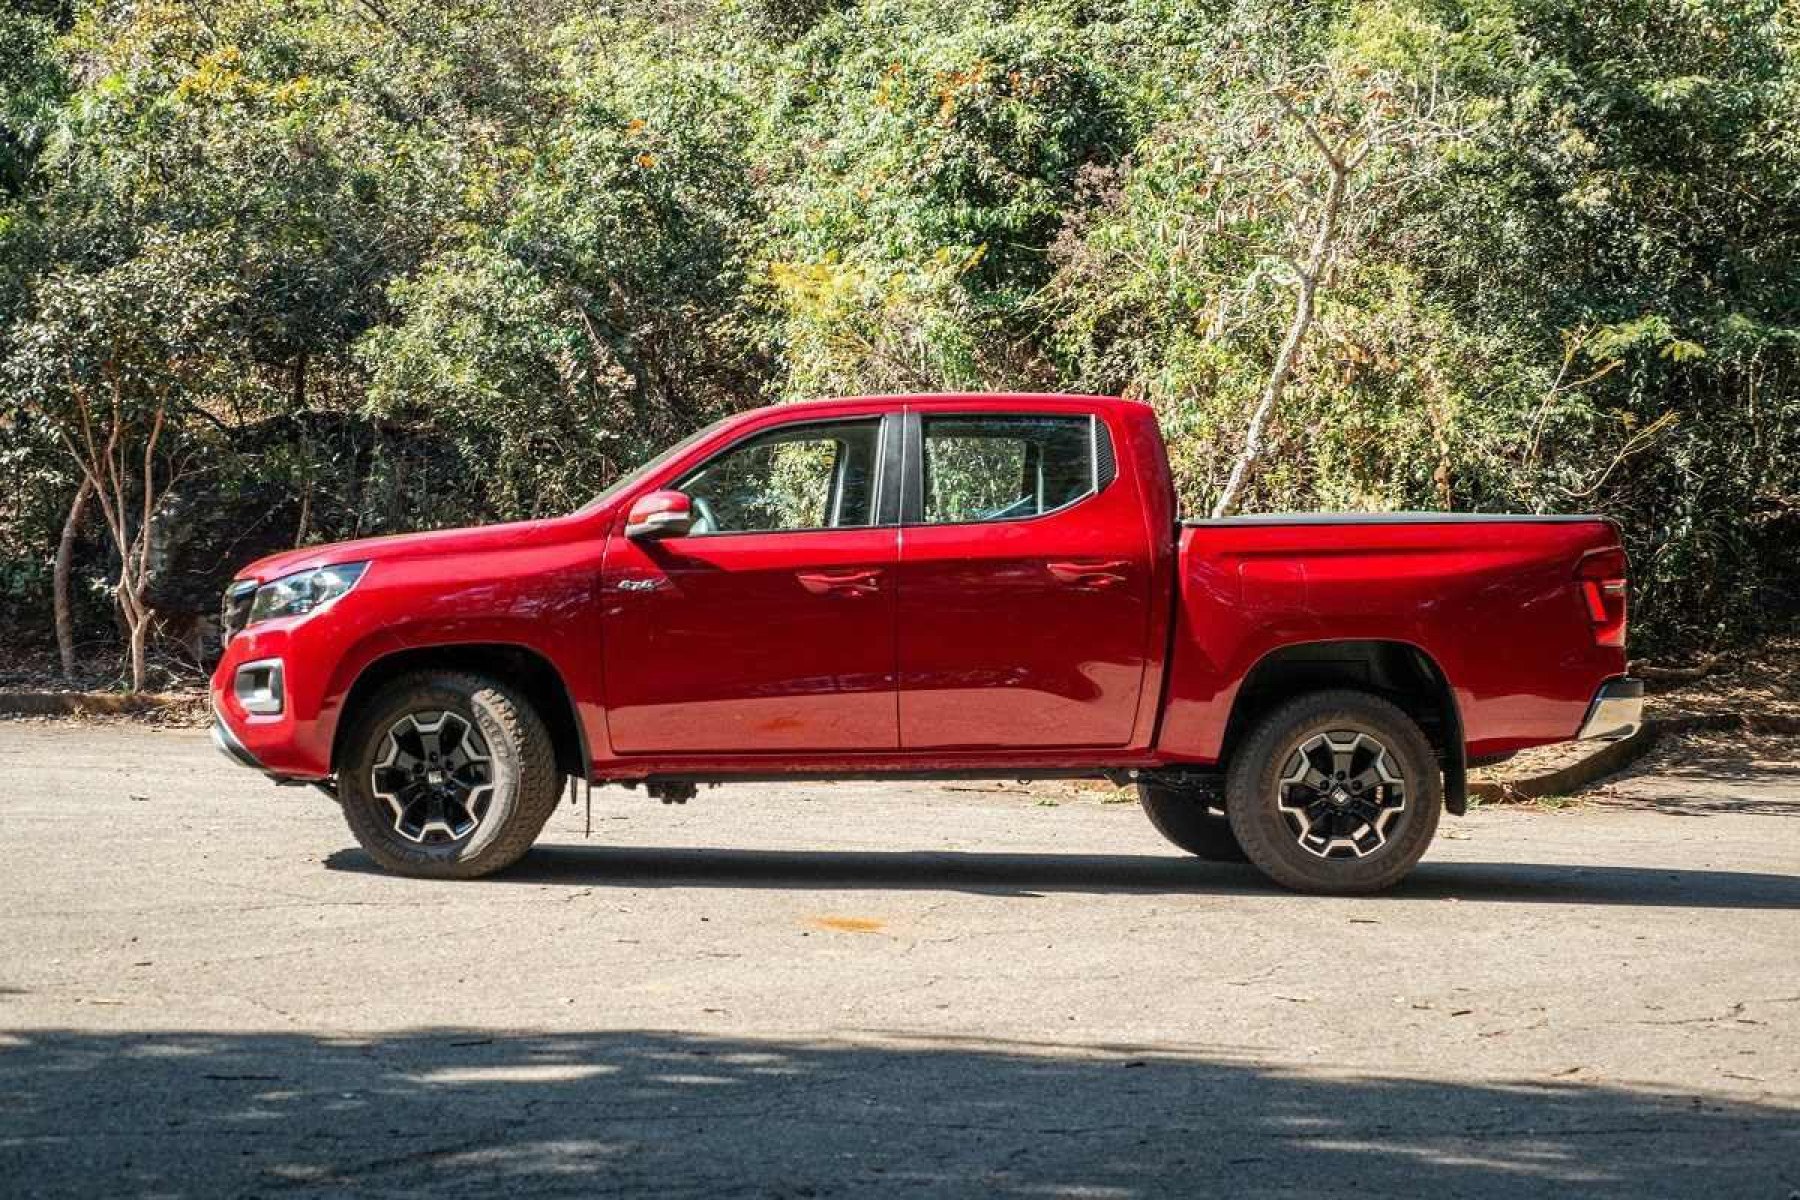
<point x="1336" y="792"/>
<point x="1191" y="819"/>
<point x="448" y="776"/>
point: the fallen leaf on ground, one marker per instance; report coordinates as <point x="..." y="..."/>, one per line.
<point x="848" y="924"/>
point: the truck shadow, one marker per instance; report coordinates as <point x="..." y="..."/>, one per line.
<point x="1023" y="874"/>
<point x="478" y="1112"/>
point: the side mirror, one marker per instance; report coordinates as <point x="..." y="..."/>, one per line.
<point x="660" y="515"/>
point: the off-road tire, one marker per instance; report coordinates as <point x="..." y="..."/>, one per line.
<point x="526" y="783"/>
<point x="1252" y="791"/>
<point x="1184" y="817"/>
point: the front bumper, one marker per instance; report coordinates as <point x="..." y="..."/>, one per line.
<point x="237" y="752"/>
<point x="231" y="748"/>
<point x="1617" y="711"/>
<point x="271" y="704"/>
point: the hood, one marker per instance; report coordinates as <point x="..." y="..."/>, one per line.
<point x="512" y="535"/>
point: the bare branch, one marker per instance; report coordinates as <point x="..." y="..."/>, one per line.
<point x="1311" y="131"/>
<point x="1636" y="443"/>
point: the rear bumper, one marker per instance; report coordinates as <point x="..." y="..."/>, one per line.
<point x="1617" y="711"/>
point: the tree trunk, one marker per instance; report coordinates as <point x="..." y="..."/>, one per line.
<point x="140" y="636"/>
<point x="1271" y="395"/>
<point x="304" y="528"/>
<point x="1317" y="260"/>
<point x="134" y="613"/>
<point x="103" y="466"/>
<point x="59" y="578"/>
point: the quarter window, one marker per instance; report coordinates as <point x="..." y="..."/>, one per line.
<point x="798" y="477"/>
<point x="1003" y="468"/>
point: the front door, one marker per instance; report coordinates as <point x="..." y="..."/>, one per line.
<point x="770" y="626"/>
<point x="1025" y="607"/>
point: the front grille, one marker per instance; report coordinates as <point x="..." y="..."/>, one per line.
<point x="234" y="611"/>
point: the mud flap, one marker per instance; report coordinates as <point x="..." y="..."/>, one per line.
<point x="1456" y="786"/>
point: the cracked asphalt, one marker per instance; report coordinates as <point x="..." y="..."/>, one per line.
<point x="855" y="989"/>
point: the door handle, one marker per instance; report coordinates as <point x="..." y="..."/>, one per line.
<point x="840" y="583"/>
<point x="1089" y="574"/>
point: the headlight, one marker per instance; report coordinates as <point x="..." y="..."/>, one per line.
<point x="300" y="593"/>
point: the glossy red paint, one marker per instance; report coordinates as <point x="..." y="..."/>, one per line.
<point x="1494" y="605"/>
<point x="1098" y="635"/>
<point x="529" y="585"/>
<point x="768" y="642"/>
<point x="1037" y="632"/>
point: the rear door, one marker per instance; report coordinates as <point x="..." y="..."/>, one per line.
<point x="770" y="626"/>
<point x="1025" y="571"/>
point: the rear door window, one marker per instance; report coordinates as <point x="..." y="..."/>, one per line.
<point x="1007" y="467"/>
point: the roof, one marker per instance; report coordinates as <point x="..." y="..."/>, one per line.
<point x="975" y="400"/>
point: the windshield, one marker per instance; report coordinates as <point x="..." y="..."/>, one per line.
<point x="631" y="478"/>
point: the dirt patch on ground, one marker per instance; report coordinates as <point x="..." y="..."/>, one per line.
<point x="36" y="668"/>
<point x="1662" y="779"/>
<point x="1763" y="682"/>
<point x="187" y="708"/>
<point x="34" y="688"/>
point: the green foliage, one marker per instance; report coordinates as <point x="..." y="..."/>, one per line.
<point x="923" y="158"/>
<point x="603" y="315"/>
<point x="545" y="238"/>
<point x="31" y="86"/>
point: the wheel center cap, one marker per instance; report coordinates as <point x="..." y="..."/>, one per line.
<point x="436" y="777"/>
<point x="1339" y="795"/>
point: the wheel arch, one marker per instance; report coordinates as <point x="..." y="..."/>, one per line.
<point x="1399" y="671"/>
<point x="535" y="676"/>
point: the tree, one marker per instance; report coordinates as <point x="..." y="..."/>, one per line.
<point x="1319" y="224"/>
<point x="1260" y="191"/>
<point x="116" y="365"/>
<point x="1362" y="254"/>
<point x="923" y="157"/>
<point x="607" y="312"/>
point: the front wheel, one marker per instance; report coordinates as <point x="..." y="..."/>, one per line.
<point x="448" y="776"/>
<point x="1336" y="792"/>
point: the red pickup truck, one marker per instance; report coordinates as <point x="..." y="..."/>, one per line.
<point x="929" y="587"/>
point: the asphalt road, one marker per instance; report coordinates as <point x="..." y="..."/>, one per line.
<point x="870" y="989"/>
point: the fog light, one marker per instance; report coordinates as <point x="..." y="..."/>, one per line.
<point x="258" y="687"/>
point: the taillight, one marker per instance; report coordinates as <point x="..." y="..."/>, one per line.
<point x="1602" y="576"/>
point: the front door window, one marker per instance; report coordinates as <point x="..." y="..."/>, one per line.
<point x="822" y="476"/>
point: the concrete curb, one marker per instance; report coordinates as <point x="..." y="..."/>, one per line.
<point x="1613" y="757"/>
<point x="62" y="704"/>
